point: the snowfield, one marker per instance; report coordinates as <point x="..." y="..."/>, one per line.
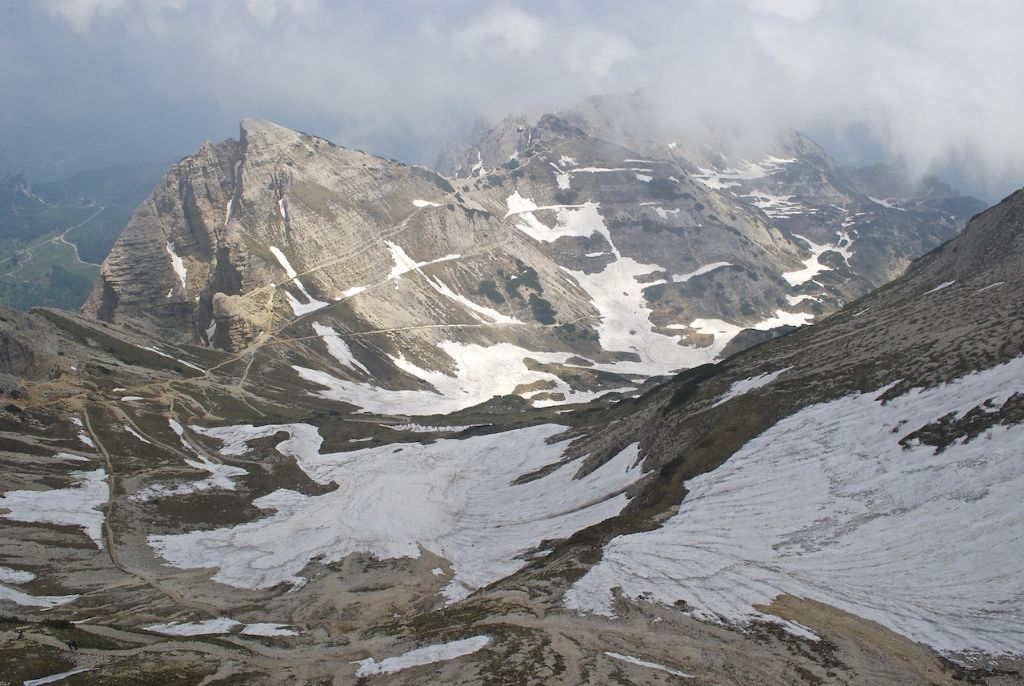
<point x="75" y="506"/>
<point x="455" y="498"/>
<point x="827" y="505"/>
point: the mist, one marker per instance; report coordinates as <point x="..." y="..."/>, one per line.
<point x="935" y="87"/>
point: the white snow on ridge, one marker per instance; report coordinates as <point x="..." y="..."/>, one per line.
<point x="827" y="505"/>
<point x="683" y="278"/>
<point x="455" y="498"/>
<point x="77" y="505"/>
<point x="177" y="264"/>
<point x="422" y="656"/>
<point x="744" y="386"/>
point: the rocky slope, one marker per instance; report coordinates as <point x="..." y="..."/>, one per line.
<point x="202" y="515"/>
<point x="558" y="258"/>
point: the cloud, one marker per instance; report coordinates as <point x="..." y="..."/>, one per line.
<point x="506" y="29"/>
<point x="930" y="86"/>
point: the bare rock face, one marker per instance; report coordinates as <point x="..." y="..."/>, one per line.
<point x="564" y="249"/>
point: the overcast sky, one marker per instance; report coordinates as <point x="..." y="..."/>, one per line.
<point x="938" y="85"/>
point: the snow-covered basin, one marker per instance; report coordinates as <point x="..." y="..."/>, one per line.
<point x="455" y="498"/>
<point x="827" y="505"/>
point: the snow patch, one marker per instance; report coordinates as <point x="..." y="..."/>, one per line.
<point x="481" y="372"/>
<point x="18" y="577"/>
<point x="268" y="629"/>
<point x="650" y="665"/>
<point x="425" y="203"/>
<point x="457" y="498"/>
<point x="338" y="348"/>
<point x="944" y="284"/>
<point x="826" y="504"/>
<point x="812" y="265"/>
<point x="53" y="678"/>
<point x="177" y="264"/>
<point x="421" y="656"/>
<point x="683" y="278"/>
<point x="75" y="506"/>
<point x="218" y="625"/>
<point x="746" y="385"/>
<point x="298" y="308"/>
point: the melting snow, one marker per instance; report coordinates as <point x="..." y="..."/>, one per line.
<point x="177" y="264"/>
<point x="53" y="678"/>
<point x="746" y="385"/>
<point x="136" y="434"/>
<point x="481" y="372"/>
<point x="298" y="308"/>
<point x="421" y="656"/>
<point x="776" y="206"/>
<point x="405" y="264"/>
<point x="425" y="203"/>
<point x="17" y="577"/>
<point x="83" y="436"/>
<point x="743" y="171"/>
<point x="650" y="665"/>
<point x="644" y="177"/>
<point x="570" y="220"/>
<point x="268" y="629"/>
<point x="827" y="505"/>
<point x="601" y="170"/>
<point x="219" y="625"/>
<point x="683" y="278"/>
<point x="456" y="498"/>
<point x="75" y="506"/>
<point x="338" y="348"/>
<point x="991" y="285"/>
<point x="812" y="265"/>
<point x="944" y="284"/>
<point x="222" y="476"/>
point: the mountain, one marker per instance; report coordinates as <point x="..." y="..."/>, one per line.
<point x="837" y="505"/>
<point x="555" y="265"/>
